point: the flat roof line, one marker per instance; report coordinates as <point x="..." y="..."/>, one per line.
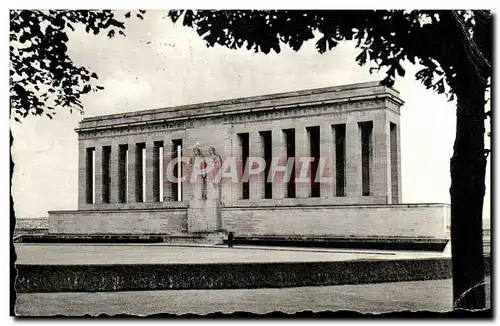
<point x="241" y="100"/>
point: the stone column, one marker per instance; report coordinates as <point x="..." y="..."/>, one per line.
<point x="113" y="173"/>
<point x="353" y="159"/>
<point x="398" y="198"/>
<point x="98" y="173"/>
<point x="186" y="185"/>
<point x="380" y="177"/>
<point x="302" y="154"/>
<point x="257" y="181"/>
<point x="82" y="174"/>
<point x="327" y="161"/>
<point x="167" y="157"/>
<point x="236" y="150"/>
<point x="131" y="172"/>
<point x="278" y="152"/>
<point x="149" y="172"/>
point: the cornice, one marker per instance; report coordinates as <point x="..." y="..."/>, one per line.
<point x="260" y="114"/>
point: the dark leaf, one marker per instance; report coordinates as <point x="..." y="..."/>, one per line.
<point x="388" y="81"/>
<point x="400" y="70"/>
<point x="58" y="22"/>
<point x="175" y="14"/>
<point x="188" y="18"/>
<point x="127" y="15"/>
<point x="23" y="38"/>
<point x="361" y="58"/>
<point x="114" y="22"/>
<point x="276" y="47"/>
<point x="331" y="43"/>
<point x="321" y="45"/>
<point x="439" y="86"/>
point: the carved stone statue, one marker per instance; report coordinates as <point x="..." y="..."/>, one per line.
<point x="204" y="212"/>
<point x="214" y="176"/>
<point x="200" y="184"/>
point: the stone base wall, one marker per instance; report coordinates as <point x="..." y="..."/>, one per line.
<point x="204" y="215"/>
<point x="137" y="221"/>
<point x="410" y="220"/>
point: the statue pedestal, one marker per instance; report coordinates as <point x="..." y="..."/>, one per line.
<point x="204" y="215"/>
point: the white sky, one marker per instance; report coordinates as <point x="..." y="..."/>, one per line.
<point x="161" y="64"/>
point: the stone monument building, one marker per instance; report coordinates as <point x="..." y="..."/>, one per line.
<point x="344" y="178"/>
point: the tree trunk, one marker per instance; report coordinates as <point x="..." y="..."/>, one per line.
<point x="468" y="167"/>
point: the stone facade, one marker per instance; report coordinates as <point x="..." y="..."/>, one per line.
<point x="351" y="134"/>
<point x="417" y="220"/>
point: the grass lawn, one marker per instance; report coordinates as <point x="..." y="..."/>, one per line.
<point x="435" y="295"/>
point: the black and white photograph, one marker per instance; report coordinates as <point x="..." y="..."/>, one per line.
<point x="267" y="162"/>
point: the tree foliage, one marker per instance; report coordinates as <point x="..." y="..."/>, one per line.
<point x="437" y="40"/>
<point x="42" y="75"/>
<point x="454" y="49"/>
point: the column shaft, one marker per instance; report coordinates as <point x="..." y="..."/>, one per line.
<point x="186" y="184"/>
<point x="256" y="180"/>
<point x="167" y="169"/>
<point x="327" y="156"/>
<point x="82" y="174"/>
<point x="98" y="174"/>
<point x="114" y="175"/>
<point x="353" y="159"/>
<point x="131" y="172"/>
<point x="398" y="198"/>
<point x="236" y="187"/>
<point x="380" y="178"/>
<point x="150" y="171"/>
<point x="302" y="154"/>
<point x="279" y="153"/>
